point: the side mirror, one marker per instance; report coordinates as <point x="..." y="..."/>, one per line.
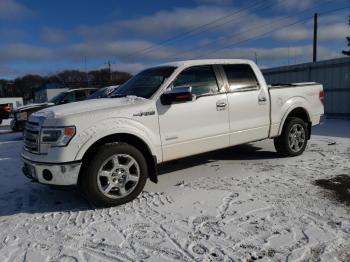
<point x="176" y="95"/>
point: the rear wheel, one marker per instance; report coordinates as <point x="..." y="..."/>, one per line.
<point x="115" y="175"/>
<point x="293" y="140"/>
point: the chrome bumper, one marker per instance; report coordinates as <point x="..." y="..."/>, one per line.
<point x="65" y="174"/>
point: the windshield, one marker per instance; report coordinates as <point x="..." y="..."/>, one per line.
<point x="102" y="93"/>
<point x="57" y="98"/>
<point x="145" y="83"/>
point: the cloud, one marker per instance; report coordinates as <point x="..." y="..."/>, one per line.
<point x="12" y="10"/>
<point x="24" y="52"/>
<point x="292" y="5"/>
<point x="326" y="32"/>
<point x="295" y="33"/>
<point x="127" y="50"/>
<point x="164" y="23"/>
<point x="132" y="68"/>
<point x="120" y="51"/>
<point x="275" y="54"/>
<point x="52" y="35"/>
<point x="334" y="32"/>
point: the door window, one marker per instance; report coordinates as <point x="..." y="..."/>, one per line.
<point x="240" y="77"/>
<point x="201" y="78"/>
<point x="80" y="95"/>
<point x="74" y="96"/>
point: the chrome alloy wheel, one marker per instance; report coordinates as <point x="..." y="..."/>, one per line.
<point x="118" y="176"/>
<point x="296" y="138"/>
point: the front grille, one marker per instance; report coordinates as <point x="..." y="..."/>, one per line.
<point x="31" y="137"/>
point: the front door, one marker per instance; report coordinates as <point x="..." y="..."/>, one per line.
<point x="197" y="126"/>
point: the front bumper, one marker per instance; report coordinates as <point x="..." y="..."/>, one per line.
<point x="64" y="174"/>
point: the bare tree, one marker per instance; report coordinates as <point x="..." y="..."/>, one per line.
<point x="347" y="52"/>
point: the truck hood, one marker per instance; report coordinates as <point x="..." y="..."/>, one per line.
<point x="88" y="106"/>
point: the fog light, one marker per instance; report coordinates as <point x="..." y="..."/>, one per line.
<point x="47" y="175"/>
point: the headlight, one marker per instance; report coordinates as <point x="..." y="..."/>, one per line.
<point x="22" y="116"/>
<point x="59" y="136"/>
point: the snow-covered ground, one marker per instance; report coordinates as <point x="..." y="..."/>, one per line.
<point x="243" y="203"/>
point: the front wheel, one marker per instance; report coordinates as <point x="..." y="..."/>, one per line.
<point x="293" y="140"/>
<point x="115" y="175"/>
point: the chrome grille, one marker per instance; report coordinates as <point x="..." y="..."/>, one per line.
<point x="31" y="137"/>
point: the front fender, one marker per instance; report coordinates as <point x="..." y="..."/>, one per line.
<point x="86" y="138"/>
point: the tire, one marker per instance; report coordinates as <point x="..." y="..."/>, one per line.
<point x="293" y="140"/>
<point x="14" y="126"/>
<point x="0" y="121"/>
<point x="108" y="181"/>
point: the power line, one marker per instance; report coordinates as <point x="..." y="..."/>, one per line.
<point x="194" y="30"/>
<point x="277" y="29"/>
<point x="254" y="27"/>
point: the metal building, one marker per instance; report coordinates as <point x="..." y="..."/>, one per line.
<point x="334" y="74"/>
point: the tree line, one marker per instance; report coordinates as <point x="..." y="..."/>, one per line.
<point x="25" y="86"/>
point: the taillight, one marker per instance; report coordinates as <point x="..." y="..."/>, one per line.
<point x="321" y="96"/>
<point x="7" y="109"/>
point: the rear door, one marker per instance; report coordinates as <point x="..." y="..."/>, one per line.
<point x="196" y="126"/>
<point x="248" y="104"/>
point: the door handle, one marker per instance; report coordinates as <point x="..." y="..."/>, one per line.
<point x="262" y="99"/>
<point x="220" y="105"/>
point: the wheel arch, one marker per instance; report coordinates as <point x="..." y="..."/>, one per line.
<point x="300" y="112"/>
<point x="131" y="139"/>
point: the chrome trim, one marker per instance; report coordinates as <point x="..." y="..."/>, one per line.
<point x="32" y="137"/>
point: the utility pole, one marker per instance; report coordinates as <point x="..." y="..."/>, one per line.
<point x="86" y="73"/>
<point x="256" y="57"/>
<point x="314" y="53"/>
<point x="109" y="63"/>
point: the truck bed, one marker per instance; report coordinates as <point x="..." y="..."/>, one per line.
<point x="284" y="97"/>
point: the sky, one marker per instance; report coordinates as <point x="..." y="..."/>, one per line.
<point x="45" y="37"/>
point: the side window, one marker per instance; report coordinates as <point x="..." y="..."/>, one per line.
<point x="91" y="91"/>
<point x="80" y="95"/>
<point x="201" y="78"/>
<point x="70" y="97"/>
<point x="241" y="77"/>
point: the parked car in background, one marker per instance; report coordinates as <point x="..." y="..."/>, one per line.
<point x="21" y="114"/>
<point x="7" y="105"/>
<point x="103" y="92"/>
<point x="110" y="147"/>
<point x="5" y="110"/>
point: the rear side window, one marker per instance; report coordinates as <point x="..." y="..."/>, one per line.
<point x="81" y="95"/>
<point x="201" y="78"/>
<point x="91" y="91"/>
<point x="240" y="77"/>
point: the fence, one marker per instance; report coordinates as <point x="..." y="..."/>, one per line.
<point x="334" y="74"/>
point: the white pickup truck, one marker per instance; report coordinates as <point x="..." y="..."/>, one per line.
<point x="109" y="147"/>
